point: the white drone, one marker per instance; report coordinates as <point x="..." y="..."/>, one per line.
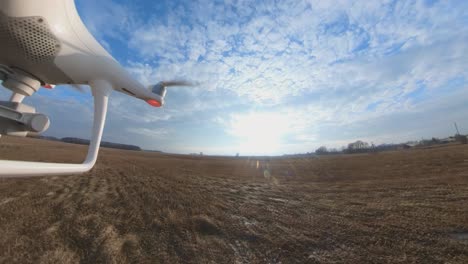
<point x="44" y="43"/>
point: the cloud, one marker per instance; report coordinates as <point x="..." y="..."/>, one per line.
<point x="156" y="133"/>
<point x="265" y="58"/>
<point x="336" y="70"/>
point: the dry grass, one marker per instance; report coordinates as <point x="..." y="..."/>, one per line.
<point x="134" y="207"/>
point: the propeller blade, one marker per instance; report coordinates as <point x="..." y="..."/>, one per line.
<point x="176" y="83"/>
<point x="160" y="87"/>
<point x="78" y="88"/>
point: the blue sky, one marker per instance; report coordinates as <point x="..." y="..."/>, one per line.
<point x="277" y="76"/>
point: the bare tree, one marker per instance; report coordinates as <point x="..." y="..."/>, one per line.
<point x="358" y="146"/>
<point x="321" y="150"/>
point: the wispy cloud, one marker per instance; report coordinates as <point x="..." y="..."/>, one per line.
<point x="336" y="70"/>
<point x="151" y="133"/>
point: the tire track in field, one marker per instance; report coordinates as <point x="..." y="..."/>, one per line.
<point x="79" y="203"/>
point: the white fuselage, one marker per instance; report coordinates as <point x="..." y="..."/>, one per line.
<point x="70" y="54"/>
<point x="45" y="42"/>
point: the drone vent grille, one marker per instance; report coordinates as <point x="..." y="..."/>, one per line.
<point x="32" y="36"/>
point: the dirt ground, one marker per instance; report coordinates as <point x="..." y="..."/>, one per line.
<point x="408" y="206"/>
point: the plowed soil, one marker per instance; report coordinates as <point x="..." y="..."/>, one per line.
<point x="408" y="206"/>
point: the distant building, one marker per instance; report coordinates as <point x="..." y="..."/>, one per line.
<point x="404" y="146"/>
<point x="448" y="140"/>
<point x="412" y="143"/>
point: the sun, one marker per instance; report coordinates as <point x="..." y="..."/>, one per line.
<point x="259" y="132"/>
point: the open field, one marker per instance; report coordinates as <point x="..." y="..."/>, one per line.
<point x="139" y="207"/>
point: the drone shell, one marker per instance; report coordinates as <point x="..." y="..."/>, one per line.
<point x="48" y="40"/>
<point x="45" y="42"/>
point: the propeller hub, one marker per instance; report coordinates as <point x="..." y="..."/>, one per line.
<point x="159" y="89"/>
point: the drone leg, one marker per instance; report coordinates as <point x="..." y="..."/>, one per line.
<point x="101" y="90"/>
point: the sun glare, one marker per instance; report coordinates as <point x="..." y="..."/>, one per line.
<point x="259" y="133"/>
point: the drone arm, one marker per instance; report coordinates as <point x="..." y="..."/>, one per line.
<point x="101" y="90"/>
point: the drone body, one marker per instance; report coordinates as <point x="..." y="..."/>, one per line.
<point x="46" y="39"/>
<point x="44" y="43"/>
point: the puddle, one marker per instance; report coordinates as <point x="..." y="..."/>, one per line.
<point x="247" y="222"/>
<point x="462" y="235"/>
<point x="6" y="200"/>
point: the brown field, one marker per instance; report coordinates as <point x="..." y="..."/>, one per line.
<point x="406" y="206"/>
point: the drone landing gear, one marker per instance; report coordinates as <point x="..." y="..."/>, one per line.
<point x="101" y="90"/>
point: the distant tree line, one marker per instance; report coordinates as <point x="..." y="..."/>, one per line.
<point x="364" y="147"/>
<point x="103" y="143"/>
<point x="324" y="151"/>
<point x="81" y="141"/>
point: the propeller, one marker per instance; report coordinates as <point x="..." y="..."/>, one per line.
<point x="160" y="87"/>
<point x="176" y="83"/>
<point x="77" y="87"/>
